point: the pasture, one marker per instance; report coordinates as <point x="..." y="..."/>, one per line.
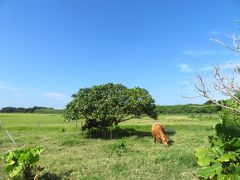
<point x="131" y="154"/>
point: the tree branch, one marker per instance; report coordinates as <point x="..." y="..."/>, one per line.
<point x="205" y="93"/>
<point x="236" y="49"/>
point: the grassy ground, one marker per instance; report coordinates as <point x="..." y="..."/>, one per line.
<point x="130" y="155"/>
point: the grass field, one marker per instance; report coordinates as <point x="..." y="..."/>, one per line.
<point x="130" y="155"/>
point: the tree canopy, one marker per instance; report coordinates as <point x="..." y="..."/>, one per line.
<point x="109" y="104"/>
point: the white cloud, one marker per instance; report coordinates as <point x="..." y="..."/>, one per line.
<point x="54" y="95"/>
<point x="216" y="32"/>
<point x="4" y="87"/>
<point x="223" y="66"/>
<point x="7" y="88"/>
<point x="206" y="68"/>
<point x="229" y="66"/>
<point x="185" y="68"/>
<point x="198" y="53"/>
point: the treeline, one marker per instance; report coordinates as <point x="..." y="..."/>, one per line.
<point x="34" y="109"/>
<point x="188" y="109"/>
<point x="207" y="107"/>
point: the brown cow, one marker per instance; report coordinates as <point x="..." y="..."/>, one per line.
<point x="159" y="134"/>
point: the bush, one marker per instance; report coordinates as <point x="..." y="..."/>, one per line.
<point x="220" y="159"/>
<point x="22" y="163"/>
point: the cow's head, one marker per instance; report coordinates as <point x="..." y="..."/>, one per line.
<point x="165" y="140"/>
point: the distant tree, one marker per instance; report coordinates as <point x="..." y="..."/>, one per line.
<point x="188" y="109"/>
<point x="33" y="109"/>
<point x="8" y="109"/>
<point x="109" y="104"/>
<point x="209" y="102"/>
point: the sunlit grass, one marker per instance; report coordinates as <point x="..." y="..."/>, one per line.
<point x="130" y="155"/>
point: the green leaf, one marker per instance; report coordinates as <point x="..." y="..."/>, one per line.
<point x="15" y="171"/>
<point x="11" y="163"/>
<point x="210" y="172"/>
<point x="228" y="177"/>
<point x="228" y="157"/>
<point x="204" y="155"/>
<point x="236" y="170"/>
<point x="21" y="160"/>
<point x="9" y="156"/>
<point x="236" y="143"/>
<point x="24" y="157"/>
<point x="8" y="168"/>
<point x="237" y="151"/>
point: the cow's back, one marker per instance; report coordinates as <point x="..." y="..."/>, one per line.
<point x="157" y="129"/>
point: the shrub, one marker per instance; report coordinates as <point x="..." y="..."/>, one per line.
<point x="220" y="159"/>
<point x="22" y="163"/>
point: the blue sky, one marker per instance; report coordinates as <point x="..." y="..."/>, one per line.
<point x="50" y="49"/>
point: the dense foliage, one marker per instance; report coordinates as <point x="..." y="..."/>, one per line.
<point x="220" y="159"/>
<point x="188" y="109"/>
<point x="231" y="120"/>
<point x="109" y="104"/>
<point x="22" y="163"/>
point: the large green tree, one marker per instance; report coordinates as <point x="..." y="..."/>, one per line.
<point x="109" y="104"/>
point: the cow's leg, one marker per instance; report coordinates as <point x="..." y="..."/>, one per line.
<point x="159" y="140"/>
<point x="154" y="139"/>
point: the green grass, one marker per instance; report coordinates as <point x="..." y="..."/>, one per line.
<point x="130" y="155"/>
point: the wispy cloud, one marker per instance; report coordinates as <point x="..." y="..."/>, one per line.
<point x="7" y="88"/>
<point x="230" y="66"/>
<point x="223" y="66"/>
<point x="198" y="53"/>
<point x="54" y="95"/>
<point x="206" y="68"/>
<point x="11" y="90"/>
<point x="216" y="32"/>
<point x="185" y="68"/>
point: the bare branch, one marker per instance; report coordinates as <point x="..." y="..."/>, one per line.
<point x="225" y="86"/>
<point x="236" y="49"/>
<point x="205" y="93"/>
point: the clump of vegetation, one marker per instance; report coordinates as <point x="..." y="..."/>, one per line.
<point x="72" y="142"/>
<point x="63" y="130"/>
<point x="231" y="120"/>
<point x="221" y="158"/>
<point x="22" y="163"/>
<point x="118" y="148"/>
<point x="107" y="105"/>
